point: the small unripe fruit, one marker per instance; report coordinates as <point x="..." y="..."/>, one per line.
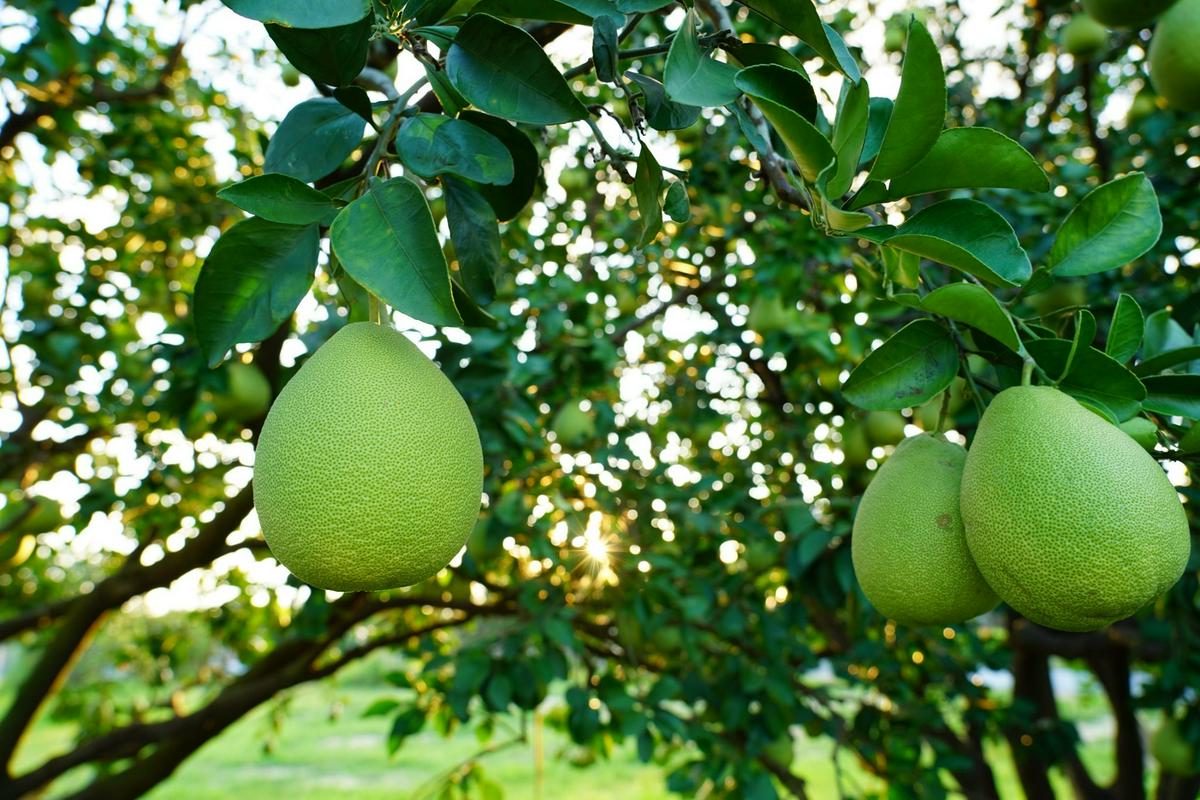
<point x="885" y="427"/>
<point x="1083" y="37"/>
<point x="1125" y="13"/>
<point x="572" y="425"/>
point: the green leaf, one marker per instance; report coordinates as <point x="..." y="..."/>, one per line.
<point x="604" y="48"/>
<point x="404" y="725"/>
<point x="308" y="14"/>
<point x="849" y="134"/>
<point x="969" y="236"/>
<point x="1093" y="376"/>
<point x="901" y="268"/>
<point x="641" y="6"/>
<point x="906" y="370"/>
<point x="452" y="102"/>
<point x="381" y="708"/>
<point x="771" y="88"/>
<point x="330" y="55"/>
<point x="1168" y="359"/>
<point x="386" y="240"/>
<point x="647" y="188"/>
<point x="253" y="279"/>
<point x="750" y="54"/>
<point x="870" y="193"/>
<point x="476" y="237"/>
<point x="508" y="199"/>
<point x="1173" y="395"/>
<point x="974" y="305"/>
<point x="800" y="17"/>
<point x="920" y="111"/>
<point x="279" y="198"/>
<point x="661" y="113"/>
<point x="568" y="12"/>
<point x="879" y="114"/>
<point x="427" y="12"/>
<point x="691" y="76"/>
<point x="355" y="98"/>
<point x="1111" y="226"/>
<point x="1162" y="334"/>
<point x="1125" y="332"/>
<point x="971" y="158"/>
<point x="676" y="203"/>
<point x="502" y="70"/>
<point x="314" y="139"/>
<point x="434" y="144"/>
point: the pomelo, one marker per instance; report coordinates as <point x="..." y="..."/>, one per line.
<point x="1125" y="13"/>
<point x="1069" y="520"/>
<point x="1175" y="57"/>
<point x="1083" y="37"/>
<point x="908" y="546"/>
<point x="885" y="427"/>
<point x="247" y="394"/>
<point x="572" y="425"/>
<point x="368" y="472"/>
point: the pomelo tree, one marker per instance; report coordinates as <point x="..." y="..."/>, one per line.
<point x="570" y="201"/>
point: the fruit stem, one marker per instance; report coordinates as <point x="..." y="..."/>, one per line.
<point x="1027" y="372"/>
<point x="373" y="310"/>
<point x="943" y="413"/>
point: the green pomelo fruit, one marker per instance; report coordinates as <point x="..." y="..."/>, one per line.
<point x="927" y="415"/>
<point x="1175" y="57"/>
<point x="247" y="396"/>
<point x="1143" y="106"/>
<point x="782" y="751"/>
<point x="855" y="446"/>
<point x="572" y="425"/>
<point x="369" y="472"/>
<point x="1084" y="37"/>
<point x="885" y="427"/>
<point x="1070" y="521"/>
<point x="908" y="546"/>
<point x="1057" y="297"/>
<point x="1173" y="753"/>
<point x="1125" y="13"/>
<point x="768" y="314"/>
<point x="1142" y="431"/>
<point x="291" y="76"/>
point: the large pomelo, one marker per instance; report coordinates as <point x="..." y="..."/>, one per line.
<point x="1175" y="56"/>
<point x="908" y="547"/>
<point x="1125" y="13"/>
<point x="1069" y="519"/>
<point x="368" y="472"/>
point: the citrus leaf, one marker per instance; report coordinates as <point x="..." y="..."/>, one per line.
<point x="661" y="113"/>
<point x="971" y="158"/>
<point x="279" y="198"/>
<point x="849" y="135"/>
<point x="604" y="47"/>
<point x="974" y="305"/>
<point x="508" y="199"/>
<point x="476" y="237"/>
<point x="1162" y="334"/>
<point x="1125" y="332"/>
<point x="906" y="370"/>
<point x="772" y="88"/>
<point x="1173" y="395"/>
<point x="647" y="188"/>
<point x="314" y="139"/>
<point x="969" y="236"/>
<point x="569" y="12"/>
<point x="920" y="109"/>
<point x="502" y="70"/>
<point x="1092" y="376"/>
<point x="252" y="280"/>
<point x="309" y="14"/>
<point x="434" y="144"/>
<point x="1168" y="359"/>
<point x="330" y="55"/>
<point x="386" y="241"/>
<point x="676" y="203"/>
<point x="691" y="76"/>
<point x="1114" y="224"/>
<point x="800" y="18"/>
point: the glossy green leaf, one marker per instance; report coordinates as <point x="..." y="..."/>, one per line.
<point x="1093" y="376"/>
<point x="647" y="188"/>
<point x="771" y="87"/>
<point x="307" y="14"/>
<point x="870" y="193"/>
<point x="1111" y="226"/>
<point x="969" y="236"/>
<point x="970" y="158"/>
<point x="502" y="70"/>
<point x="800" y="18"/>
<point x="476" y="237"/>
<point x="1168" y="360"/>
<point x="605" y="60"/>
<point x="663" y="114"/>
<point x="452" y="102"/>
<point x="676" y="204"/>
<point x="920" y="111"/>
<point x="508" y="199"/>
<point x="568" y="12"/>
<point x="434" y="144"/>
<point x="1125" y="332"/>
<point x="693" y="77"/>
<point x="1173" y="395"/>
<point x="879" y="114"/>
<point x="849" y="134"/>
<point x="911" y="367"/>
<point x="750" y="54"/>
<point x="355" y="98"/>
<point x="329" y="55"/>
<point x="386" y="240"/>
<point x="252" y="280"/>
<point x="314" y="139"/>
<point x="974" y="305"/>
<point x="1162" y="333"/>
<point x="902" y="268"/>
<point x="279" y="198"/>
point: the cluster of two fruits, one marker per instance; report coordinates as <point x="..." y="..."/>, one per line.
<point x="1054" y="510"/>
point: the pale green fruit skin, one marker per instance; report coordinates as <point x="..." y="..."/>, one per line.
<point x="885" y="427"/>
<point x="1083" y="36"/>
<point x="855" y="446"/>
<point x="248" y="394"/>
<point x="908" y="545"/>
<point x="1143" y="106"/>
<point x="1142" y="431"/>
<point x="1125" y="13"/>
<point x="1172" y="752"/>
<point x="368" y="473"/>
<point x="572" y="425"/>
<point x="1070" y="520"/>
<point x="1175" y="57"/>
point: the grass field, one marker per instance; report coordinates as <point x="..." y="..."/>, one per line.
<point x="318" y="754"/>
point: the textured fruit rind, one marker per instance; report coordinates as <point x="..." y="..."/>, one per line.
<point x="369" y="471"/>
<point x="908" y="545"/>
<point x="1069" y="520"/>
<point x="1174" y="56"/>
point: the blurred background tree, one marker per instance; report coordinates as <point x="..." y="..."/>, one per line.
<point x="662" y="571"/>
